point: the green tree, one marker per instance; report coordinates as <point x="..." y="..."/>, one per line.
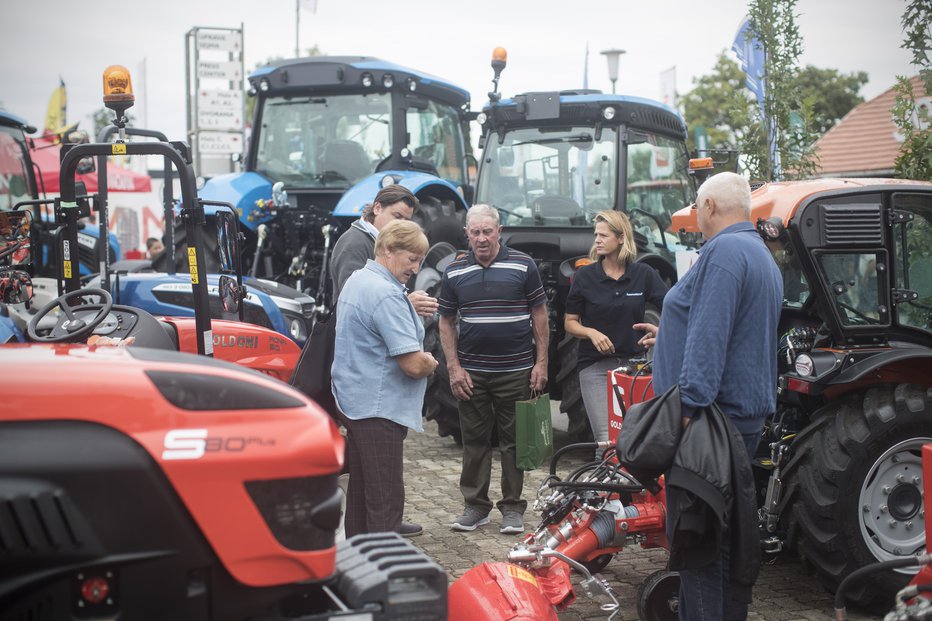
<point x="915" y="158"/>
<point x="719" y="103"/>
<point x="832" y="94"/>
<point x="774" y="21"/>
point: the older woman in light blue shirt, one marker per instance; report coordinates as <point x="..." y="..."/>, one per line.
<point x="380" y="373"/>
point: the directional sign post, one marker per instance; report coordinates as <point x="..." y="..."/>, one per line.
<point x="216" y="110"/>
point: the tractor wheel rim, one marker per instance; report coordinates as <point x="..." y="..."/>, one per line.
<point x="891" y="503"/>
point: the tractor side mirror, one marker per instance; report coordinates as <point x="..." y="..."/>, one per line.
<point x="15" y="246"/>
<point x="230" y="295"/>
<point x="226" y="241"/>
<point x="15" y="287"/>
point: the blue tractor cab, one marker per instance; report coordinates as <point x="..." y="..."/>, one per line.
<point x="328" y="133"/>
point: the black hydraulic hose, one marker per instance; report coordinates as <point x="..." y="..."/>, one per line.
<point x="590" y="446"/>
<point x="598" y="487"/>
<point x="840" y="612"/>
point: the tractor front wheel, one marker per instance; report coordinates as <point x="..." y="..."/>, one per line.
<point x="855" y="494"/>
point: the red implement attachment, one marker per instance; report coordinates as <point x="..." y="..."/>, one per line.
<point x="499" y="591"/>
<point x="626" y="386"/>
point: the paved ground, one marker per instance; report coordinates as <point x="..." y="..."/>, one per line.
<point x="432" y="466"/>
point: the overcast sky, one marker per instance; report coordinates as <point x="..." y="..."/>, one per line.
<point x="41" y="40"/>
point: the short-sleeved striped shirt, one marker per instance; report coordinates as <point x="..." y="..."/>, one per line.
<point x="494" y="305"/>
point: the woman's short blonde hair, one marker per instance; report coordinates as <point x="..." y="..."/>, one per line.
<point x="401" y="235"/>
<point x="618" y="224"/>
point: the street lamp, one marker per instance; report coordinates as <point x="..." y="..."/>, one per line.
<point x="612" y="57"/>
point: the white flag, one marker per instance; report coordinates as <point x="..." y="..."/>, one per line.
<point x="668" y="86"/>
<point x="309" y="5"/>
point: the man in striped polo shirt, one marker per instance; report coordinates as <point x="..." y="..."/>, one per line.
<point x="496" y="359"/>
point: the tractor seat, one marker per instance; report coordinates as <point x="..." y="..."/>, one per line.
<point x="555" y="207"/>
<point x="347" y="158"/>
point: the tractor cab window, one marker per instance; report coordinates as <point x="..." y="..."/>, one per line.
<point x="856" y="286"/>
<point x="435" y="136"/>
<point x="14" y="175"/>
<point x="913" y="259"/>
<point x="330" y="141"/>
<point x="550" y="177"/>
<point x="657" y="182"/>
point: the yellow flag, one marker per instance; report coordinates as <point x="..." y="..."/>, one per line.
<point x="57" y="112"/>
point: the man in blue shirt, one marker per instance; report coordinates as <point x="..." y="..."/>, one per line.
<point x="718" y="340"/>
<point x="496" y="359"/>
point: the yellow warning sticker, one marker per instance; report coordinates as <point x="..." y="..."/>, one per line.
<point x="119" y="148"/>
<point x="521" y="574"/>
<point x="66" y="265"/>
<point x="192" y="265"/>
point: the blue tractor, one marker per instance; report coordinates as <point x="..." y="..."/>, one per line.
<point x="327" y="134"/>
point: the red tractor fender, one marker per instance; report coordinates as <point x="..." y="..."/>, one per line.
<point x="245" y="344"/>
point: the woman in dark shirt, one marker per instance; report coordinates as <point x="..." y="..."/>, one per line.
<point x="606" y="298"/>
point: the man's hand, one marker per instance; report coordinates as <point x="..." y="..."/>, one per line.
<point x="650" y="336"/>
<point x="539" y="376"/>
<point x="602" y="343"/>
<point x="424" y="305"/>
<point x="460" y="382"/>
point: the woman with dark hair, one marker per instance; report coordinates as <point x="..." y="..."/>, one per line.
<point x="606" y="299"/>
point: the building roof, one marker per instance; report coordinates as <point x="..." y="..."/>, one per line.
<point x="864" y="143"/>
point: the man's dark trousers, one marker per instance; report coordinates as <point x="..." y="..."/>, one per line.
<point x="704" y="592"/>
<point x="492" y="405"/>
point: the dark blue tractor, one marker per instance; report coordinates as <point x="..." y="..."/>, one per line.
<point x="327" y="134"/>
<point x="551" y="161"/>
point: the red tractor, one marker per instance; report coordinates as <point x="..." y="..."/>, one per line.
<point x="839" y="475"/>
<point x="140" y="482"/>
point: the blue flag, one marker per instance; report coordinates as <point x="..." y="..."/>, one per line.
<point x="750" y="53"/>
<point x="752" y="56"/>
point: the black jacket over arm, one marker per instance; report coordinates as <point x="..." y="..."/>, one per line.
<point x="708" y="461"/>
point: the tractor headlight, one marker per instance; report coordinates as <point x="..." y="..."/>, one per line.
<point x="296" y="327"/>
<point x="804" y="365"/>
<point x="770" y="229"/>
<point x="608" y="113"/>
<point x="367" y="80"/>
<point x="481" y="118"/>
<point x="388" y="80"/>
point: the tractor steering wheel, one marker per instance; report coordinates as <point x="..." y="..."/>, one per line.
<point x="71" y="328"/>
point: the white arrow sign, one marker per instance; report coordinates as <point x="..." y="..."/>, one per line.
<point x="219" y="100"/>
<point x="230" y="71"/>
<point x="220" y="119"/>
<point x="225" y="40"/>
<point x="219" y="143"/>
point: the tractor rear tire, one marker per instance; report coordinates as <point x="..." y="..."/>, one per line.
<point x="854" y="488"/>
<point x="439" y="403"/>
<point x="209" y="241"/>
<point x="571" y="401"/>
